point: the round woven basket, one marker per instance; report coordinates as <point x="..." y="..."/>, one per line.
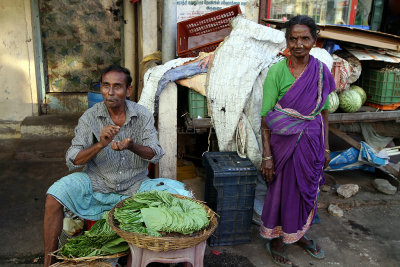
<point x="87" y="259"/>
<point x="169" y="242"/>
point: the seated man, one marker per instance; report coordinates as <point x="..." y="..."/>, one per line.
<point x="115" y="140"/>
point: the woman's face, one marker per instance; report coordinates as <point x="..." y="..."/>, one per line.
<point x="300" y="40"/>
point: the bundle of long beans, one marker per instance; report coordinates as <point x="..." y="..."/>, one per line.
<point x="100" y="240"/>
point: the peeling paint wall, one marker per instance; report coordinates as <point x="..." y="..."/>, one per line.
<point x="18" y="91"/>
<point x="252" y="10"/>
<point x="70" y="103"/>
<point x="80" y="38"/>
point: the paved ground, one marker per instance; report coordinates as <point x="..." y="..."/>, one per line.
<point x="367" y="235"/>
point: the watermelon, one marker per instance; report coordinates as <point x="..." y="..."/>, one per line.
<point x="350" y="101"/>
<point x="333" y="102"/>
<point x="361" y="91"/>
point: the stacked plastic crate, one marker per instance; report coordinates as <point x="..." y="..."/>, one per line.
<point x="382" y="88"/>
<point x="197" y="105"/>
<point x="214" y="25"/>
<point x="229" y="191"/>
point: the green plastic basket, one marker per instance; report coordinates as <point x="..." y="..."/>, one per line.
<point x="382" y="86"/>
<point x="197" y="105"/>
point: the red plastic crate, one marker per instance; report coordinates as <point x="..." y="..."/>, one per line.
<point x="89" y="224"/>
<point x="214" y="25"/>
<point x="384" y="107"/>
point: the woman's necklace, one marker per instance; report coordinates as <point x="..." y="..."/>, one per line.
<point x="292" y="71"/>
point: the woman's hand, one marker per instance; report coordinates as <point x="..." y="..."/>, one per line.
<point x="267" y="164"/>
<point x="267" y="170"/>
<point x="327" y="159"/>
<point x="325" y="117"/>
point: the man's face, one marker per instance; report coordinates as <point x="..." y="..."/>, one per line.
<point x="114" y="89"/>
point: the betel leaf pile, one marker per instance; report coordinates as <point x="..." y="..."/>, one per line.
<point x="157" y="212"/>
<point x="100" y="240"/>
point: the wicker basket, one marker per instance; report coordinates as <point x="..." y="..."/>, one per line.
<point x="172" y="241"/>
<point x="87" y="259"/>
<point x="82" y="264"/>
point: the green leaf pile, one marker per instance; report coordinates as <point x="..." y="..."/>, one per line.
<point x="100" y="240"/>
<point x="152" y="212"/>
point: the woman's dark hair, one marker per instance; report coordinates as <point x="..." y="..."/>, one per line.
<point x="302" y="20"/>
<point x="117" y="68"/>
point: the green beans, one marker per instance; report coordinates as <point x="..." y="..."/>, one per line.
<point x="99" y="240"/>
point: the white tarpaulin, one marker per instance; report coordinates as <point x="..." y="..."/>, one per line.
<point x="235" y="84"/>
<point x="151" y="80"/>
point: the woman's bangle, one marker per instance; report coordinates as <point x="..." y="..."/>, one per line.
<point x="327" y="151"/>
<point x="267" y="158"/>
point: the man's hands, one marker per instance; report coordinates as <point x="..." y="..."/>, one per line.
<point x="107" y="134"/>
<point x="121" y="145"/>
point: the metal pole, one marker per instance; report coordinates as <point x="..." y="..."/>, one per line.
<point x="39" y="58"/>
<point x="168" y="46"/>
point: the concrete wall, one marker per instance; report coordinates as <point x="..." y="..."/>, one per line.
<point x="252" y="10"/>
<point x="18" y="91"/>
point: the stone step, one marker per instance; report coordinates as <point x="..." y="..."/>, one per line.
<point x="43" y="149"/>
<point x="8" y="147"/>
<point x="49" y="126"/>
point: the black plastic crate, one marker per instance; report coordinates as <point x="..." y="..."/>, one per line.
<point x="234" y="227"/>
<point x="227" y="168"/>
<point x="229" y="191"/>
<point x="229" y="197"/>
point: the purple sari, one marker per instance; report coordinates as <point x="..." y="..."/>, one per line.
<point x="298" y="147"/>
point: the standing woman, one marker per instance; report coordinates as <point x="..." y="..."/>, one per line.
<point x="294" y="131"/>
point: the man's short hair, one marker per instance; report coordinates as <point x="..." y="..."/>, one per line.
<point x="117" y="68"/>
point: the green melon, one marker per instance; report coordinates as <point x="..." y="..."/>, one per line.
<point x="360" y="91"/>
<point x="350" y="101"/>
<point x="333" y="102"/>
